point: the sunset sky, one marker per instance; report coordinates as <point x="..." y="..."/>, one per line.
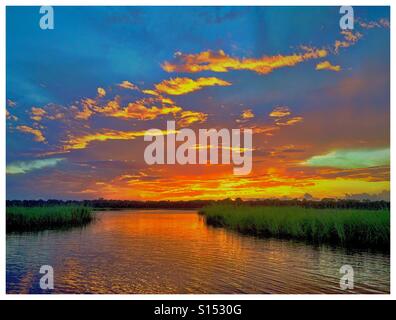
<point x="81" y="96"/>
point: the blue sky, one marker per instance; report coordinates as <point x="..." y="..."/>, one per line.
<point x="100" y="47"/>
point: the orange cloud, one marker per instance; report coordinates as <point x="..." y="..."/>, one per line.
<point x="268" y="130"/>
<point x="37" y="113"/>
<point x="38" y="136"/>
<point x="86" y="112"/>
<point x="179" y="86"/>
<point x="289" y="122"/>
<point x="326" y="65"/>
<point x="219" y="61"/>
<point x="280" y="112"/>
<point x="221" y="147"/>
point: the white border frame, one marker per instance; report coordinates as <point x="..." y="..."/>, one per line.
<point x="5" y="296"/>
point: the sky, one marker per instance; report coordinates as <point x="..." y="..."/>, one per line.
<point x="81" y="96"/>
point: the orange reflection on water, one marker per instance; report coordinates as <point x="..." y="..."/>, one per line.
<point x="169" y="251"/>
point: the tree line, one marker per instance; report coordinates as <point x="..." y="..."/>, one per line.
<point x="198" y="204"/>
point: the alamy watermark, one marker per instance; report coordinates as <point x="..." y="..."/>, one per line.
<point x="47" y="280"/>
<point x="47" y="21"/>
<point x="347" y="20"/>
<point x="347" y="279"/>
<point x="204" y="149"/>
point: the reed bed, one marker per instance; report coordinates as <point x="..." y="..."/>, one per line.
<point x="356" y="227"/>
<point x="46" y="217"/>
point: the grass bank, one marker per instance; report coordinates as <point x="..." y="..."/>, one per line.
<point x="48" y="217"/>
<point x="368" y="228"/>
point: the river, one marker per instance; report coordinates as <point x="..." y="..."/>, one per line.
<point x="174" y="251"/>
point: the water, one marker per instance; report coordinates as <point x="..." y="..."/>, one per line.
<point x="169" y="251"/>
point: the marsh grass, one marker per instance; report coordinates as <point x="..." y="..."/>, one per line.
<point x="348" y="227"/>
<point x="46" y="217"/>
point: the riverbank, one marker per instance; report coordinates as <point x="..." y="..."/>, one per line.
<point x="346" y="227"/>
<point x="48" y="217"/>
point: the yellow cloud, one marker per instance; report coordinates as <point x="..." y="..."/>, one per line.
<point x="189" y="117"/>
<point x="179" y="86"/>
<point x="350" y="39"/>
<point x="141" y="112"/>
<point x="101" y="92"/>
<point x="326" y="65"/>
<point x="219" y="61"/>
<point x="81" y="142"/>
<point x="133" y="110"/>
<point x="38" y="136"/>
<point x="280" y="112"/>
<point x="152" y="92"/>
<point x="247" y="114"/>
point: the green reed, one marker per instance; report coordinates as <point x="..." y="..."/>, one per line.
<point x="369" y="228"/>
<point x="46" y="217"/>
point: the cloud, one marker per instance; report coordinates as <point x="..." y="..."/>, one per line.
<point x="179" y="86"/>
<point x="19" y="167"/>
<point x="288" y="122"/>
<point x="81" y="142"/>
<point x="280" y="112"/>
<point x="381" y="23"/>
<point x="85" y="113"/>
<point x="350" y="38"/>
<point x="133" y="110"/>
<point x="101" y="92"/>
<point x="148" y="108"/>
<point x="268" y="130"/>
<point x="141" y="112"/>
<point x="220" y="147"/>
<point x="9" y="116"/>
<point x="247" y="114"/>
<point x="326" y="65"/>
<point x="11" y="103"/>
<point x="37" y="113"/>
<point x="128" y="85"/>
<point x="351" y="159"/>
<point x="219" y="61"/>
<point x="38" y="136"/>
<point x="190" y="117"/>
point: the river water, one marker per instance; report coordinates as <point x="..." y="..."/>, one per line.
<point x="169" y="251"/>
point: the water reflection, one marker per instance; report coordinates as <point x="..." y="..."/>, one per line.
<point x="175" y="252"/>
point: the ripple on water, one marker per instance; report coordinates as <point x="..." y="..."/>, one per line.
<point x="170" y="251"/>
